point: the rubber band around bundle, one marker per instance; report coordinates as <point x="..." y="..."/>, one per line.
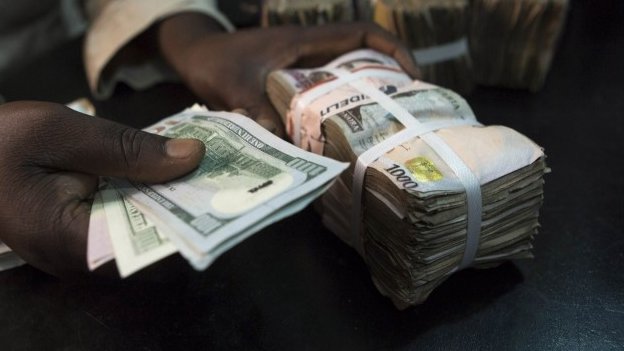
<point x="306" y="98"/>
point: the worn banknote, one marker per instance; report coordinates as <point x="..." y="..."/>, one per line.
<point x="136" y="241"/>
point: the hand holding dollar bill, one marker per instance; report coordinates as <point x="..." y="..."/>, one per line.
<point x="247" y="180"/>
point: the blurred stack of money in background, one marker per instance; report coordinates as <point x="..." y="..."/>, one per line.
<point x="315" y="12"/>
<point x="457" y="43"/>
<point x="248" y="179"/>
<point x="436" y="32"/>
<point x="512" y="43"/>
<point x="414" y="206"/>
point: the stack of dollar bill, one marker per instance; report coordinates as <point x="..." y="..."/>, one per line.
<point x="436" y="31"/>
<point x="413" y="215"/>
<point x="248" y="179"/>
<point x="314" y="12"/>
<point x="513" y="42"/>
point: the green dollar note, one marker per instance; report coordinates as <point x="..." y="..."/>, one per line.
<point x="136" y="241"/>
<point x="247" y="175"/>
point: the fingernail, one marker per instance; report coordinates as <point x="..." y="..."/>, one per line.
<point x="182" y="148"/>
<point x="268" y="125"/>
<point x="241" y="111"/>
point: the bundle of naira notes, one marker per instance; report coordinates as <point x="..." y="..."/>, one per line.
<point x="248" y="179"/>
<point x="436" y="32"/>
<point x="457" y="43"/>
<point x="512" y="43"/>
<point x="429" y="190"/>
<point x="491" y="42"/>
<point x="314" y="12"/>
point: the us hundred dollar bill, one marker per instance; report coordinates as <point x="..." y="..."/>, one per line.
<point x="247" y="180"/>
<point x="136" y="241"/>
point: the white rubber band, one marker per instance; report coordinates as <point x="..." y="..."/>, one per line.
<point x="440" y="53"/>
<point x="473" y="194"/>
<point x="413" y="129"/>
<point x="372" y="154"/>
<point x="342" y="78"/>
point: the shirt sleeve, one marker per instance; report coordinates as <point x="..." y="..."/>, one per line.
<point x="113" y="26"/>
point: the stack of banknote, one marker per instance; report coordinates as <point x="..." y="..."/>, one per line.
<point x="314" y="12"/>
<point x="247" y="180"/>
<point x="409" y="215"/>
<point x="456" y="43"/>
<point x="512" y="43"/>
<point x="437" y="33"/>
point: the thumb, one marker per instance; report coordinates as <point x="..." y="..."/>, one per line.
<point x="102" y="147"/>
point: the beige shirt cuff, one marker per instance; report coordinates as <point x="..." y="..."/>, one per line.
<point x="117" y="22"/>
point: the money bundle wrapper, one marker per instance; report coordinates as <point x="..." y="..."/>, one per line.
<point x="314" y="12"/>
<point x="437" y="33"/>
<point x="512" y="43"/>
<point x="429" y="190"/>
<point x="248" y="179"/>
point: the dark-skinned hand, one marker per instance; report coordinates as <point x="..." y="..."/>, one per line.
<point x="229" y="70"/>
<point x="50" y="160"/>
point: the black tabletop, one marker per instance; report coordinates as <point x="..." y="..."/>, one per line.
<point x="296" y="286"/>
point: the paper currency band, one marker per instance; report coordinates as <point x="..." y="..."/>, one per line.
<point x="441" y="53"/>
<point x="305" y="99"/>
<point x="413" y="129"/>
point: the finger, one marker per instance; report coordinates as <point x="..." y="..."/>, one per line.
<point x="241" y="111"/>
<point x="265" y="115"/>
<point x="317" y="45"/>
<point x="75" y="142"/>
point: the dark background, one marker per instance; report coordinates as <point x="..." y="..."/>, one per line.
<point x="294" y="285"/>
